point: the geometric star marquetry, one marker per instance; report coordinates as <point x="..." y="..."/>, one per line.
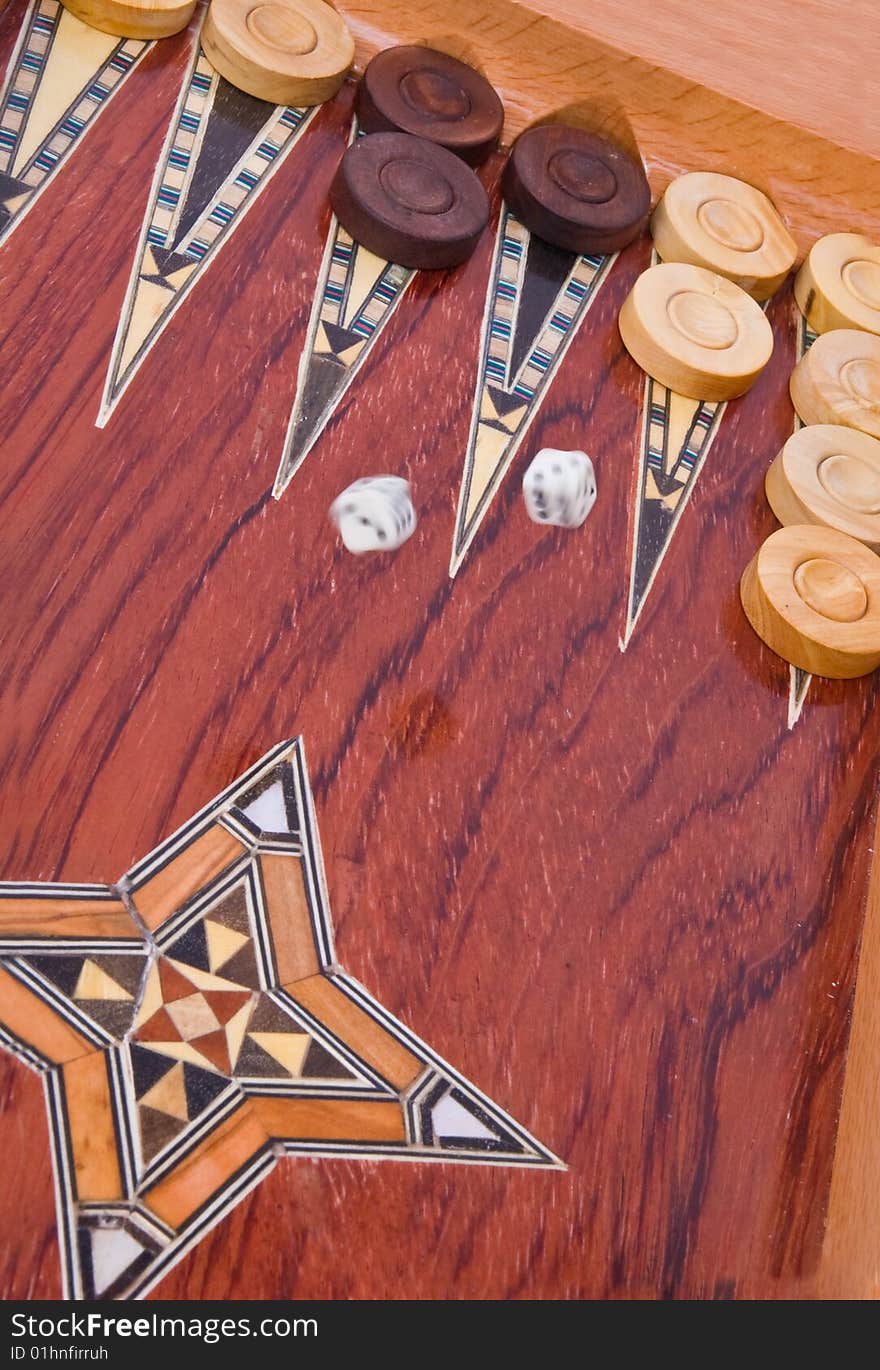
<point x="192" y="1026"/>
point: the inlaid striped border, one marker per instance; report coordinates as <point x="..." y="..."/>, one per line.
<point x="27" y="70"/>
<point x="234" y="197"/>
<point x="535" y="374"/>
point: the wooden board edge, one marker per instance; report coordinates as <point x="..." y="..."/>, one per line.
<point x="541" y="66"/>
<point x="850" y="1263"/>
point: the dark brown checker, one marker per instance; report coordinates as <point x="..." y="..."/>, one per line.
<point x="418" y="90"/>
<point x="576" y="190"/>
<point x="409" y="200"/>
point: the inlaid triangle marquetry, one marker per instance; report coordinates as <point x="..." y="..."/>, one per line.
<point x="537" y="300"/>
<point x="237" y="1037"/>
<point x="168" y="1095"/>
<point x="95" y="983"/>
<point x="222" y="148"/>
<point x="677" y="436"/>
<point x="799" y="681"/>
<point x="61" y="79"/>
<point x="356" y="296"/>
<point x="222" y="943"/>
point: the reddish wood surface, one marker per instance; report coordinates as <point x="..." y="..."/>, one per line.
<point x="613" y="889"/>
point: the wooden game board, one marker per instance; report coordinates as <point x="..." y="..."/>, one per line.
<point x="581" y="832"/>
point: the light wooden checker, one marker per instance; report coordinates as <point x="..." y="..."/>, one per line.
<point x="829" y="475"/>
<point x="727" y="226"/>
<point x="838" y="381"/>
<point x="287" y="52"/>
<point x="134" y="18"/>
<point x="813" y="596"/>
<point x="838" y="285"/>
<point x="695" y="331"/>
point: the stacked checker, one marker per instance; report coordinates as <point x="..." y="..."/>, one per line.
<point x="406" y="189"/>
<point x="693" y="322"/>
<point x="812" y="592"/>
<point x="575" y="189"/>
<point x="404" y="192"/>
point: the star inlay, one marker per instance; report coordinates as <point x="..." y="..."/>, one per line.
<point x="193" y="1025"/>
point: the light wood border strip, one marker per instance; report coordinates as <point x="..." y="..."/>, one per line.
<point x="206" y="1170"/>
<point x="287" y="912"/>
<point x="850" y="1265"/>
<point x="357" y="1029"/>
<point x="90" y="1119"/>
<point x="330" y="1120"/>
<point x="169" y="889"/>
<point x="36" y="1023"/>
<point x="34" y="916"/>
<point x="539" y="65"/>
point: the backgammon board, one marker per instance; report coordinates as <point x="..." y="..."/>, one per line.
<point x="479" y="920"/>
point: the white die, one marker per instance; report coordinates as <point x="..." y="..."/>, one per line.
<point x="559" y="488"/>
<point x="375" y="514"/>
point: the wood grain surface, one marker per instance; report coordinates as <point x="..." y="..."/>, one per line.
<point x="613" y="887"/>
